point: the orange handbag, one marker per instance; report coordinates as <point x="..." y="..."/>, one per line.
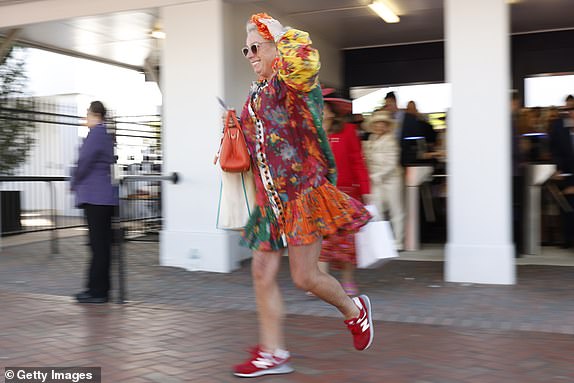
<point x="233" y="153"/>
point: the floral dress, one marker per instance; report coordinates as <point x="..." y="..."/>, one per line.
<point x="294" y="169"/>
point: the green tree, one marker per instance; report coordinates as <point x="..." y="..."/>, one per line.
<point x="17" y="129"/>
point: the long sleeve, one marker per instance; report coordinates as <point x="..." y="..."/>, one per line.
<point x="382" y="157"/>
<point x="299" y="63"/>
<point x="91" y="179"/>
<point x="297" y="81"/>
<point x="89" y="152"/>
<point x="360" y="173"/>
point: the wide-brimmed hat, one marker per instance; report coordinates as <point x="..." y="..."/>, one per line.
<point x="327" y="91"/>
<point x="340" y="106"/>
<point x="379" y="116"/>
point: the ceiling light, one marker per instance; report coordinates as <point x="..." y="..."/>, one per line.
<point x="157" y="33"/>
<point x="384" y="11"/>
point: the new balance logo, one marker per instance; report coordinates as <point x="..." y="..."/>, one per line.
<point x="364" y="322"/>
<point x="263" y="363"/>
<point x="362" y="327"/>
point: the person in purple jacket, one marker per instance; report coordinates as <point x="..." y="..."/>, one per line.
<point x="92" y="184"/>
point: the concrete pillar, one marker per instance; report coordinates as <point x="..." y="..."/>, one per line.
<point x="192" y="76"/>
<point x="479" y="247"/>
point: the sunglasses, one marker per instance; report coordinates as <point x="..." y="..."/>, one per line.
<point x="254" y="48"/>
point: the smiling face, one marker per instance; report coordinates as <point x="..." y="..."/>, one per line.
<point x="265" y="52"/>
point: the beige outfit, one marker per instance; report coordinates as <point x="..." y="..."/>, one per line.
<point x="382" y="155"/>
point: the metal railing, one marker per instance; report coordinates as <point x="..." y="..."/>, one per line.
<point x="121" y="225"/>
<point x="52" y="212"/>
<point x="54" y="128"/>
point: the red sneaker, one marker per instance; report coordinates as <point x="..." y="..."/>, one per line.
<point x="264" y="363"/>
<point x="362" y="326"/>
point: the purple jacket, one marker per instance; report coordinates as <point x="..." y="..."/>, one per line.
<point x="91" y="179"/>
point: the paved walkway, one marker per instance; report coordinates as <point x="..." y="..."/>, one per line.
<point x="191" y="326"/>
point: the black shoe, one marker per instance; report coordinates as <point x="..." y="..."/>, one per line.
<point x="87" y="297"/>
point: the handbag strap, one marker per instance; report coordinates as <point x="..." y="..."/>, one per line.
<point x="233" y="116"/>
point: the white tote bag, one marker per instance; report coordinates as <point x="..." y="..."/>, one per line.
<point x="236" y="200"/>
<point x="375" y="244"/>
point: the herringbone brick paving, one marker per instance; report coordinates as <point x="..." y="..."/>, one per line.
<point x="191" y="327"/>
<point x="411" y="292"/>
<point x="155" y="343"/>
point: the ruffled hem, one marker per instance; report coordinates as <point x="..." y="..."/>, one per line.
<point x="262" y="231"/>
<point x="322" y="211"/>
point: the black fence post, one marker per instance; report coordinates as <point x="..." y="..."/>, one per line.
<point x="120" y="239"/>
<point x="53" y="232"/>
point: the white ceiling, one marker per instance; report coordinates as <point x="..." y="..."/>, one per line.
<point x="350" y="24"/>
<point x="10" y="2"/>
<point x="124" y="37"/>
<point x="120" y="37"/>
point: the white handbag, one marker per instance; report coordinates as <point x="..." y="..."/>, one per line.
<point x="375" y="243"/>
<point x="236" y="200"/>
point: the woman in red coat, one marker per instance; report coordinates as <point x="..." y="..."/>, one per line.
<point x="338" y="250"/>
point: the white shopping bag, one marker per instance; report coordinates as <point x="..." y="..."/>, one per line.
<point x="375" y="215"/>
<point x="236" y="200"/>
<point x="375" y="245"/>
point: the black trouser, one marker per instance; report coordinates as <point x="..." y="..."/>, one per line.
<point x="101" y="235"/>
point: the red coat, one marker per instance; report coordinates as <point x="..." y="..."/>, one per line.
<point x="352" y="175"/>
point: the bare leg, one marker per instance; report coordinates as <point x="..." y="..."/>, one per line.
<point x="303" y="261"/>
<point x="324" y="267"/>
<point x="348" y="272"/>
<point x="264" y="268"/>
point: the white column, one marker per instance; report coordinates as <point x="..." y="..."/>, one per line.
<point x="479" y="248"/>
<point x="192" y="71"/>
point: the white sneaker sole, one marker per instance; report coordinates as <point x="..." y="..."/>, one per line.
<point x="282" y="369"/>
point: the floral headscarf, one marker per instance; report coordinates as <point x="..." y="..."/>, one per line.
<point x="262" y="28"/>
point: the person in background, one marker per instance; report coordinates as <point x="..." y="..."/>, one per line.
<point x="550" y="225"/>
<point x="92" y="184"/>
<point x="538" y="120"/>
<point x="562" y="150"/>
<point x="397" y="114"/>
<point x="386" y="175"/>
<point x="338" y="250"/>
<point x="357" y="120"/>
<point x="518" y="163"/>
<point x="551" y="114"/>
<point x="425" y="128"/>
<point x="297" y="202"/>
<point x="412" y="108"/>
